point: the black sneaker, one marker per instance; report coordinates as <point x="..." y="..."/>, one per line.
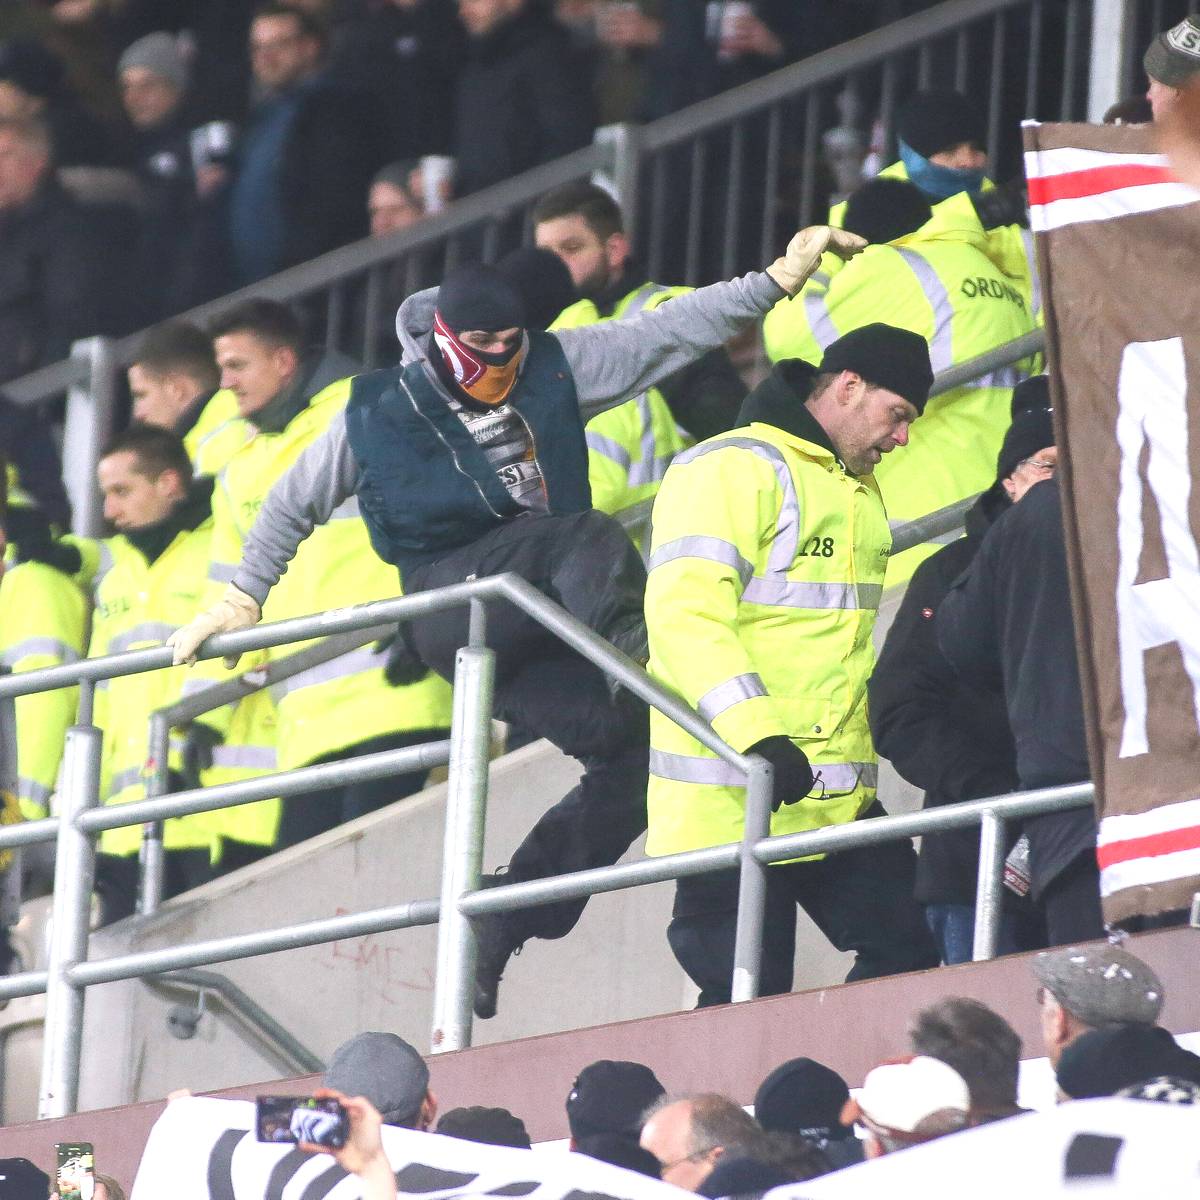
<point x="496" y="947"/>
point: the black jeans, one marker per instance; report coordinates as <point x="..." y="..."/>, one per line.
<point x="587" y="564"/>
<point x="861" y="900"/>
<point x="1070" y="903"/>
<point x="117" y="879"/>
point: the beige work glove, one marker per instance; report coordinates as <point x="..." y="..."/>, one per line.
<point x="235" y="611"/>
<point x="803" y="254"/>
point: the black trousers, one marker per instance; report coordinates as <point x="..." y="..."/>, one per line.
<point x="117" y="879"/>
<point x="861" y="900"/>
<point x="587" y="564"/>
<point x="1070" y="903"/>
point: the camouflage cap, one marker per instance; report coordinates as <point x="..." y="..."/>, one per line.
<point x="1101" y="985"/>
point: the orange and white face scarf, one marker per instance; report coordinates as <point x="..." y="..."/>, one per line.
<point x="486" y="378"/>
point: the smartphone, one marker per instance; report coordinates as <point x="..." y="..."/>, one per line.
<point x="75" y="1176"/>
<point x="291" y="1119"/>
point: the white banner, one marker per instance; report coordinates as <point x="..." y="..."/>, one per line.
<point x="202" y="1149"/>
<point x="1112" y="1148"/>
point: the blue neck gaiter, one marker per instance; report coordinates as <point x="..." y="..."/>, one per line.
<point x="938" y="183"/>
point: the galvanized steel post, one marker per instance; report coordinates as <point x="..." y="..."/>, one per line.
<point x="152" y="855"/>
<point x="462" y="855"/>
<point x="74" y="867"/>
<point x="752" y="882"/>
<point x="989" y="900"/>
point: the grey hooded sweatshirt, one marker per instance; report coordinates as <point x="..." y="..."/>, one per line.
<point x="610" y="362"/>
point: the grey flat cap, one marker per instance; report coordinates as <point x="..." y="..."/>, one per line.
<point x="385" y="1069"/>
<point x="1101" y="985"/>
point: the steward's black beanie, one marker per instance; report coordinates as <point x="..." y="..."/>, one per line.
<point x="1032" y="427"/>
<point x="939" y="119"/>
<point x="886" y="209"/>
<point x="480" y="297"/>
<point x="543" y="281"/>
<point x="891" y="358"/>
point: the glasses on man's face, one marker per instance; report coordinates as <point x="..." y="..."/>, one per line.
<point x="664" y="1167"/>
<point x="1038" y="464"/>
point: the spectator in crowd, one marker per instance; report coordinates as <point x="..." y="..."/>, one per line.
<point x="1083" y="988"/>
<point x="1172" y="61"/>
<point x="20" y="1179"/>
<point x="151" y="571"/>
<point x="49" y="293"/>
<point x="393" y="203"/>
<point x="517" y="103"/>
<point x="542" y="281"/>
<point x="936" y="278"/>
<point x="691" y="1134"/>
<point x="182" y="252"/>
<point x="491" y="1126"/>
<point x="1164" y="1089"/>
<point x="619" y="1151"/>
<point x="291" y="395"/>
<point x="407" y="54"/>
<point x="980" y="1045"/>
<point x="387" y="1071"/>
<point x="908" y="1103"/>
<point x="630" y="447"/>
<point x="174" y="380"/>
<point x="479" y="392"/>
<point x="308" y="153"/>
<point x="770" y="546"/>
<point x="34" y="470"/>
<point x="940" y="731"/>
<point x="805" y="1098"/>
<point x="1105" y="1061"/>
<point x="33" y="86"/>
<point x="1006" y="624"/>
<point x="363" y="1153"/>
<point x="611" y="1098"/>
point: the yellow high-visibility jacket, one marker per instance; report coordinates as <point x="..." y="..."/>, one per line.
<point x="939" y="283"/>
<point x="766" y="571"/>
<point x="43" y="623"/>
<point x="218" y="434"/>
<point x="630" y="446"/>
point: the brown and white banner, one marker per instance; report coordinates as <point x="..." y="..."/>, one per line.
<point x="1119" y="250"/>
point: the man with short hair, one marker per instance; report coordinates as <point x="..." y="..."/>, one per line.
<point x="980" y="1045"/>
<point x="49" y="293"/>
<point x="630" y="446"/>
<point x="909" y="1103"/>
<point x="307" y="153"/>
<point x="769" y="552"/>
<point x="174" y="380"/>
<point x="290" y="395"/>
<point x="518" y="101"/>
<point x="689" y="1135"/>
<point x="1082" y="988"/>
<point x="390" y="1073"/>
<point x="1171" y="62"/>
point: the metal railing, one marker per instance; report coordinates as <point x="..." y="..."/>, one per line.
<point x="724" y="181"/>
<point x="82" y="817"/>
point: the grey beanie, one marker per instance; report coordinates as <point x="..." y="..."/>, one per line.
<point x="1174" y="56"/>
<point x="160" y="53"/>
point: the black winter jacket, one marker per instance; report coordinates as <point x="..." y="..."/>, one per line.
<point x="48" y="285"/>
<point x="519" y="102"/>
<point x="943" y="733"/>
<point x="1007" y="623"/>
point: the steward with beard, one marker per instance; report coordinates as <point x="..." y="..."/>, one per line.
<point x="469" y="460"/>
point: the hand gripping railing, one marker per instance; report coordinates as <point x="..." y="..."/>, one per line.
<point x="69" y="972"/>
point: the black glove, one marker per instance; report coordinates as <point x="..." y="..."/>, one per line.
<point x="198" y="743"/>
<point x="30" y="532"/>
<point x="793" y="776"/>
<point x="403" y="666"/>
<point x="1007" y="204"/>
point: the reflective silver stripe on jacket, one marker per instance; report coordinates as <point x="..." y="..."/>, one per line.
<point x="844" y="776"/>
<point x="712" y="549"/>
<point x="608" y="448"/>
<point x="789" y="593"/>
<point x="354" y="663"/>
<point x="733" y="691"/>
<point x="816" y="310"/>
<point x="32" y="791"/>
<point x="123" y="779"/>
<point x="688" y="768"/>
<point x="145" y="631"/>
<point x="45" y="647"/>
<point x="104" y="565"/>
<point x="941" y="345"/>
<point x="259" y="758"/>
<point x="1005" y="377"/>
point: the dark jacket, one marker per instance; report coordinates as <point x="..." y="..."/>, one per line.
<point x="518" y="102"/>
<point x="1006" y="623"/>
<point x="48" y="285"/>
<point x="941" y="732"/>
